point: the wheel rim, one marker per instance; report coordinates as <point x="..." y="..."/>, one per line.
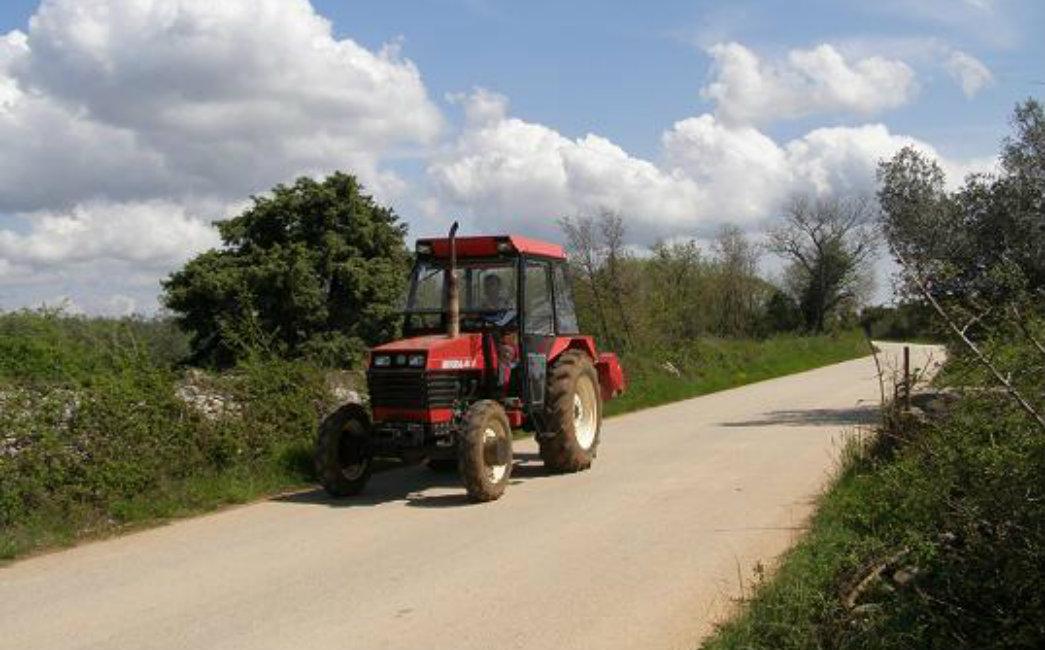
<point x="351" y="460"/>
<point x="585" y="415"/>
<point x="495" y="473"/>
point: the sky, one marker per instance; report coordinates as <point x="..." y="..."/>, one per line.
<point x="128" y="126"/>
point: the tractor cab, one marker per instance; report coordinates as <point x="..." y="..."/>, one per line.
<point x="490" y="344"/>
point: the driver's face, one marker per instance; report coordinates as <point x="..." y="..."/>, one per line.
<point x="492" y="289"/>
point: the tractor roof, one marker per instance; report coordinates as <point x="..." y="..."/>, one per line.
<point x="490" y="246"/>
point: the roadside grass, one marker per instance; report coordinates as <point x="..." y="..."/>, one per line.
<point x="55" y="526"/>
<point x="694" y="368"/>
<point x="94" y="439"/>
<point x="951" y="517"/>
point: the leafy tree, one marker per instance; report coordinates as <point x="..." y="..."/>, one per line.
<point x="315" y="269"/>
<point x="829" y="242"/>
<point x="983" y="243"/>
<point x="977" y="256"/>
<point x="740" y="294"/>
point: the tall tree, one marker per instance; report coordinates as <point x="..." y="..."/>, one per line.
<point x="611" y="226"/>
<point x="586" y="261"/>
<point x="740" y="291"/>
<point x="314" y="269"/>
<point x="829" y="243"/>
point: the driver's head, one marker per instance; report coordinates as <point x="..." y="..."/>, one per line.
<point x="492" y="290"/>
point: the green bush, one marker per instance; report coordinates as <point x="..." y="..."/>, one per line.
<point x="52" y="346"/>
<point x="98" y="436"/>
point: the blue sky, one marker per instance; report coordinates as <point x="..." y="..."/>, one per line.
<point x="625" y="69"/>
<point x="683" y="115"/>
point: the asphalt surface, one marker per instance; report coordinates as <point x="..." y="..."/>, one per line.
<point x="646" y="550"/>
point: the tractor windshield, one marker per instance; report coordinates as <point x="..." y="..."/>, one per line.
<point x="485" y="287"/>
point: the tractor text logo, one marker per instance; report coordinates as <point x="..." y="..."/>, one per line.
<point x="458" y="364"/>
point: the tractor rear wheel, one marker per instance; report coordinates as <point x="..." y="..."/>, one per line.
<point x="343" y="461"/>
<point x="484" y="451"/>
<point x="573" y="414"/>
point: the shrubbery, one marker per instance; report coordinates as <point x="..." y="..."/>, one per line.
<point x="313" y="270"/>
<point x="97" y="423"/>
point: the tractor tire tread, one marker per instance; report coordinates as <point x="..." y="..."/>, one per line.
<point x="470" y="463"/>
<point x="560" y="452"/>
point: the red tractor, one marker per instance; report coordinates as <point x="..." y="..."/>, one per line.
<point x="490" y="345"/>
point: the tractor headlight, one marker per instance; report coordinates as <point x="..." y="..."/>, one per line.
<point x="417" y="360"/>
<point x="382" y="361"/>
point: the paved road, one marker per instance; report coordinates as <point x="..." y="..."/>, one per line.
<point x="646" y="550"/>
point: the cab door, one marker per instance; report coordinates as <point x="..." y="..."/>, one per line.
<point x="537" y="327"/>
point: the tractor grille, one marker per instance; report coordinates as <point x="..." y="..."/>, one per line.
<point x="408" y="388"/>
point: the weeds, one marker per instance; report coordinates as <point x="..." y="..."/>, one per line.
<point x="938" y="542"/>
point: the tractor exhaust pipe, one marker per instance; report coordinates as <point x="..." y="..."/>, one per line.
<point x="453" y="327"/>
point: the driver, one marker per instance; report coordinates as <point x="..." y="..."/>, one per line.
<point x="493" y="294"/>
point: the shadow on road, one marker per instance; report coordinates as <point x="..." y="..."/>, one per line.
<point x="860" y="415"/>
<point x="416" y="486"/>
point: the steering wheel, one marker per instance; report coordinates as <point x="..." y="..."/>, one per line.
<point x="500" y="318"/>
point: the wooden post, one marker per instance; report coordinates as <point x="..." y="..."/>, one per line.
<point x="906" y="378"/>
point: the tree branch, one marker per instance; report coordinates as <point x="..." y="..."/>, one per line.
<point x="1026" y="331"/>
<point x="971" y="345"/>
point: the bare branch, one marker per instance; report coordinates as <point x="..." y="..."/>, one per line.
<point x="971" y="345"/>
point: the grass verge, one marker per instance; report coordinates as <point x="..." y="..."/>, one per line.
<point x="693" y="368"/>
<point x="935" y="540"/>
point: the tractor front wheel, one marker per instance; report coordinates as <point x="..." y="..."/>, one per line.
<point x="343" y="460"/>
<point x="484" y="451"/>
<point x="573" y="414"/>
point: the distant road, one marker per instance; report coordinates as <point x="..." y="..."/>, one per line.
<point x="646" y="550"/>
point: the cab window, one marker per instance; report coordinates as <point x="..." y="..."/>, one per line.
<point x="565" y="314"/>
<point x="539" y="312"/>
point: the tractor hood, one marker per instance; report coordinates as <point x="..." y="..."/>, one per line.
<point x="463" y="352"/>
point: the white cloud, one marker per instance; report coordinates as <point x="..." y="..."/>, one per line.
<point x="968" y="72"/>
<point x="99" y="250"/>
<point x="133" y="99"/>
<point x="511" y="174"/>
<point x="747" y="90"/>
<point x="740" y="170"/>
<point x="503" y="171"/>
<point x="152" y="234"/>
<point x="119" y="117"/>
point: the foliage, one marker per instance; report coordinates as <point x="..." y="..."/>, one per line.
<point x="314" y="270"/>
<point x="977" y="255"/>
<point x="829" y="243"/>
<point x="51" y="346"/>
<point x="981" y="245"/>
<point x="906" y="321"/>
<point x="672" y="292"/>
<point x="98" y="436"/>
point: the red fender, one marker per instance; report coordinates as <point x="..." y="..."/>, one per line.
<point x="611" y="375"/>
